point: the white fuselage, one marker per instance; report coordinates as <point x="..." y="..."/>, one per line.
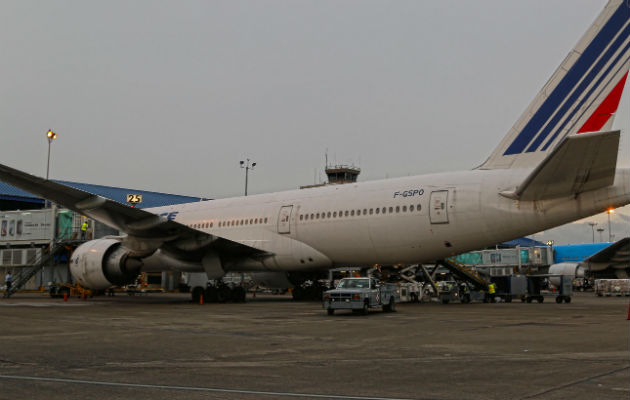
<point x="405" y="220"/>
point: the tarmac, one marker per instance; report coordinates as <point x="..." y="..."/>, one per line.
<point x="162" y="346"/>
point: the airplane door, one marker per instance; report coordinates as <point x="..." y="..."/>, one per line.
<point x="284" y="219"/>
<point x="438" y="209"/>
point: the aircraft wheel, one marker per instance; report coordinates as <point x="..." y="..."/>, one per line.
<point x="196" y="294"/>
<point x="567" y="299"/>
<point x="366" y="309"/>
<point x="211" y="294"/>
<point x="223" y="294"/>
<point x="238" y="294"/>
<point x="559" y="299"/>
<point x="392" y="304"/>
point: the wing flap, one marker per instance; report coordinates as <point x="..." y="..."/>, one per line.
<point x="578" y="164"/>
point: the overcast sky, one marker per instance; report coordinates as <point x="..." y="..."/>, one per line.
<point x="170" y="95"/>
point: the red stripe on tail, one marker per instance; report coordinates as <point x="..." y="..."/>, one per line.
<point x="605" y="110"/>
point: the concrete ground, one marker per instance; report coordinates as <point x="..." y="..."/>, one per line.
<point x="164" y="347"/>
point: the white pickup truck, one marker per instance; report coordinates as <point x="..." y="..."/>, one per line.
<point x="361" y="294"/>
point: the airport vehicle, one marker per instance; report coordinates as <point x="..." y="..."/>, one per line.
<point x="510" y="287"/>
<point x="450" y="292"/>
<point x="59" y="290"/>
<point x="557" y="164"/>
<point x="410" y="292"/>
<point x="361" y="294"/>
<point x="535" y="284"/>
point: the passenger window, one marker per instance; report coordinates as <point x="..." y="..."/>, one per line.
<point x="317" y="216"/>
<point x="384" y="210"/>
<point x="397" y="209"/>
<point x="404" y="208"/>
<point x="378" y="210"/>
<point x="347" y="212"/>
<point x="365" y="211"/>
<point x="312" y="216"/>
<point x="419" y="206"/>
<point x="266" y="219"/>
<point x="301" y="217"/>
<point x="328" y="215"/>
<point x="391" y="210"/>
<point x="411" y="207"/>
<point x="352" y="213"/>
<point x="371" y="211"/>
<point x="211" y="223"/>
<point x="334" y="214"/>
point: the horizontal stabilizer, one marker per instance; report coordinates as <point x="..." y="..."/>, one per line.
<point x="578" y="164"/>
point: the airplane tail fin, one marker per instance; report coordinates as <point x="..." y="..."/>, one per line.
<point x="581" y="96"/>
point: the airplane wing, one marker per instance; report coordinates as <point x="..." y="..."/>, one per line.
<point x="615" y="255"/>
<point x="146" y="231"/>
<point x="578" y="164"/>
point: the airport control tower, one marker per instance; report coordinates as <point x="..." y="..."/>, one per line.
<point x="338" y="174"/>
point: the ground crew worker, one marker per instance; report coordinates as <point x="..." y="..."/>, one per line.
<point x="8" y="279"/>
<point x="84" y="227"/>
<point x="491" y="292"/>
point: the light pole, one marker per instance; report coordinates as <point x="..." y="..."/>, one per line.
<point x="51" y="136"/>
<point x="247" y="166"/>
<point x="593" y="224"/>
<point x="600" y="230"/>
<point x="610" y="235"/>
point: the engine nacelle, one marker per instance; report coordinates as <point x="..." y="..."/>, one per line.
<point x="567" y="268"/>
<point x="99" y="264"/>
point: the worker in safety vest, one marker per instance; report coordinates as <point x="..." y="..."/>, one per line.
<point x="8" y="280"/>
<point x="491" y="291"/>
<point x="84" y="227"/>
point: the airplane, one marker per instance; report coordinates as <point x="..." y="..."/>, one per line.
<point x="557" y="164"/>
<point x="593" y="260"/>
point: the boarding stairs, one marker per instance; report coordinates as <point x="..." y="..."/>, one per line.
<point x="36" y="265"/>
<point x="465" y="273"/>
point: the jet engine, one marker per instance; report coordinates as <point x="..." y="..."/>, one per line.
<point x="574" y="270"/>
<point x="99" y="264"/>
